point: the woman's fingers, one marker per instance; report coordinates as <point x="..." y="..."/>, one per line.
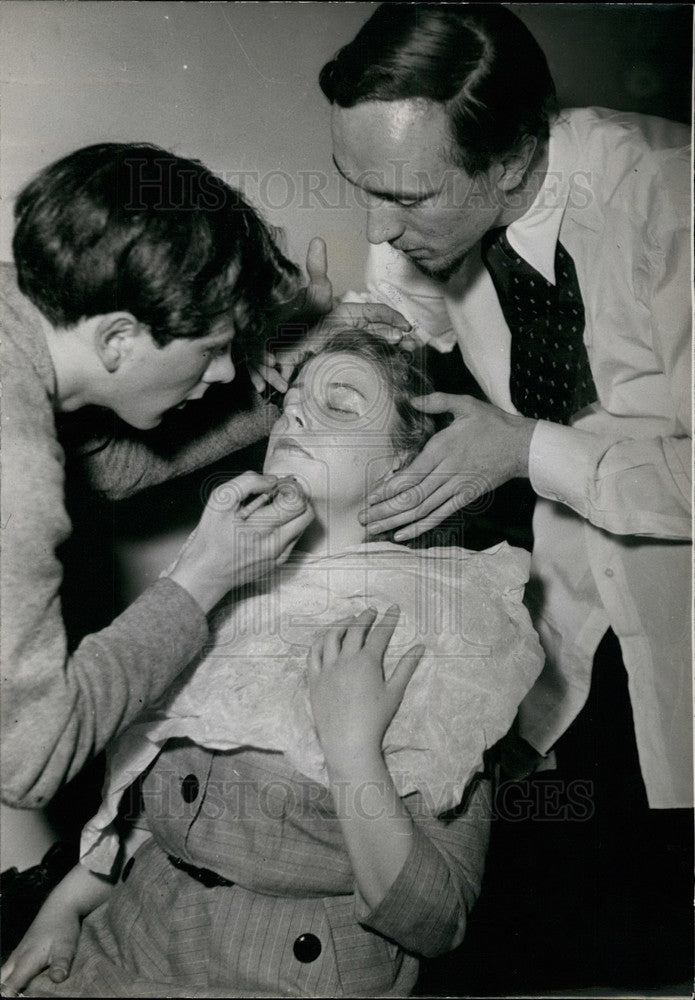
<point x="61" y="960"/>
<point x="18" y="972"/>
<point x="315" y="657"/>
<point x="405" y="668"/>
<point x="383" y="630"/>
<point x="358" y="630"/>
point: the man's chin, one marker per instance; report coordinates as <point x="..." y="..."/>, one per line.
<point x="440" y="273"/>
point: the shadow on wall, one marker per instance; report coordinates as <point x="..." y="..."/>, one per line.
<point x="628" y="57"/>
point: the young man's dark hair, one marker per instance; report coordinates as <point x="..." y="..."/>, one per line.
<point x="125" y="226"/>
<point x="478" y="60"/>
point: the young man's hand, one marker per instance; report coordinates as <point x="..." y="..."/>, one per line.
<point x="237" y="540"/>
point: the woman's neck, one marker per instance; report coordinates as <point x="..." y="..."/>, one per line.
<point x="331" y="531"/>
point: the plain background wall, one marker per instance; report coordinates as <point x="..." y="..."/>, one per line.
<point x="235" y="85"/>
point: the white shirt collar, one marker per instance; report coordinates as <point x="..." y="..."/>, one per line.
<point x="534" y="236"/>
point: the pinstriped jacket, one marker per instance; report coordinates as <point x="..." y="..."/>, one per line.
<point x="292" y="921"/>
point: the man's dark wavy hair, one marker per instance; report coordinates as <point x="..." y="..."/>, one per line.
<point x="478" y="60"/>
<point x="130" y="226"/>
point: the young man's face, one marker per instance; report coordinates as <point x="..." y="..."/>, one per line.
<point x="397" y="154"/>
<point x="157" y="379"/>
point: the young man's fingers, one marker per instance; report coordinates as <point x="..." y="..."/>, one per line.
<point x="290" y="532"/>
<point x="231" y="494"/>
<point x="257" y="380"/>
<point x="274" y="378"/>
<point x="282" y="513"/>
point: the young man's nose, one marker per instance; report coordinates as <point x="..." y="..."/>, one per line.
<point x="384" y="222"/>
<point x="220" y="369"/>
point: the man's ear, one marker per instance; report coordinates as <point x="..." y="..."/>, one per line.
<point x="114" y="336"/>
<point x="514" y="166"/>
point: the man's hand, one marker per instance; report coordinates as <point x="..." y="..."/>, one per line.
<point x="239" y="540"/>
<point x="483" y="448"/>
<point x="303" y="325"/>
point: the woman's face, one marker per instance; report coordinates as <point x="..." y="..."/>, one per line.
<point x="335" y="431"/>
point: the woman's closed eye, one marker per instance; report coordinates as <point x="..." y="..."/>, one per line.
<point x="344" y="400"/>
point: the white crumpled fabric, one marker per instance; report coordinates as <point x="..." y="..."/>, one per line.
<point x="248" y="688"/>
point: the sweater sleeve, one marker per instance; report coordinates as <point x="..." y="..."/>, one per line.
<point x="59" y="709"/>
<point x="426" y="909"/>
<point x="118" y="461"/>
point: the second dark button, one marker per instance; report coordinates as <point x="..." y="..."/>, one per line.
<point x="306" y="948"/>
<point x="190" y="786"/>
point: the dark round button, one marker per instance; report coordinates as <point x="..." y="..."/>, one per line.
<point x="127" y="869"/>
<point x="306" y="948"/>
<point x="190" y="786"/>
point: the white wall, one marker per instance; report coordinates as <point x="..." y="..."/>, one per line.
<point x="235" y="85"/>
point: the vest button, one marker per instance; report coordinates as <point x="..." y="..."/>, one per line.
<point x="306" y="948"/>
<point x="190" y="786"/>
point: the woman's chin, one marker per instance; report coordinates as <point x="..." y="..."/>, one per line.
<point x="281" y="465"/>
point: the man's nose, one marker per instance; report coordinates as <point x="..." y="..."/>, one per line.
<point x="220" y="369"/>
<point x="384" y="223"/>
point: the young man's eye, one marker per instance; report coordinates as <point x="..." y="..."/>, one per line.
<point x="338" y="409"/>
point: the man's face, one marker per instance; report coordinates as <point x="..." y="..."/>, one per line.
<point x="156" y="379"/>
<point x="397" y="154"/>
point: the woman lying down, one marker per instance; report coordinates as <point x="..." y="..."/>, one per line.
<point x="311" y="817"/>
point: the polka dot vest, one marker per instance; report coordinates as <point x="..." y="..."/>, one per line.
<point x="550" y="378"/>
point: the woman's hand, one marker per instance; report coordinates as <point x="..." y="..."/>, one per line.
<point x="50" y="943"/>
<point x="351" y="700"/>
<point x="236" y="540"/>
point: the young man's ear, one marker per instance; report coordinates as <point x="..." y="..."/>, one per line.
<point x="114" y="336"/>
